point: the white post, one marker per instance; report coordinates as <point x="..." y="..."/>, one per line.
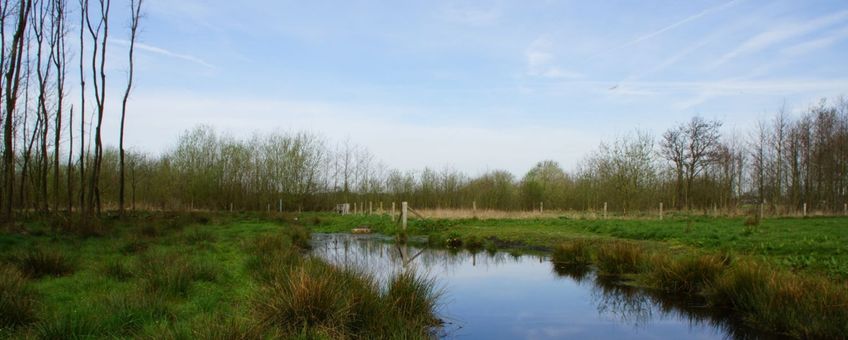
<point x="403" y="209"/>
<point x="661" y="211"/>
<point x="605" y="210"/>
<point x="231" y="206"/>
<point x="805" y="209"/>
<point x="393" y="209"/>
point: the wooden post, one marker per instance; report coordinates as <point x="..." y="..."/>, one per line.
<point x="403" y="211"/>
<point x="605" y="210"/>
<point x="231" y="206"/>
<point x="761" y="210"/>
<point x="393" y="209"/>
<point x="661" y="211"/>
<point x="354" y="208"/>
<point x="805" y="209"/>
<point x="191" y="208"/>
<point x="381" y="208"/>
<point x="541" y="207"/>
<point x="281" y="205"/>
<point x="474" y="207"/>
<point x="370" y="207"/>
<point x="845" y="209"/>
<point x="269" y="207"/>
<point x="715" y="210"/>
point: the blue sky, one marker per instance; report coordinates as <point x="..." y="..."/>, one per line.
<point x="478" y="85"/>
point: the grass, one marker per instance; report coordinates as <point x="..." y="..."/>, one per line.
<point x="173" y="276"/>
<point x="689" y="274"/>
<point x="17" y="299"/>
<point x="618" y="258"/>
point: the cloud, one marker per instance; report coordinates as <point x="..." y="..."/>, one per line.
<point x="164" y="52"/>
<point x="780" y="34"/>
<point x="674" y="25"/>
<point x="472" y="16"/>
<point x="541" y="61"/>
<point x="816" y="44"/>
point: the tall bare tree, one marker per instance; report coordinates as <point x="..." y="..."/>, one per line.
<point x="135" y="7"/>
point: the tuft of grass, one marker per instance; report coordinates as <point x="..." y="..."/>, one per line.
<point x="473" y="243"/>
<point x="689" y="274"/>
<point x="616" y="258"/>
<point x="576" y="253"/>
<point x="117" y="269"/>
<point x="128" y="312"/>
<point x="68" y="325"/>
<point x="39" y="262"/>
<point x="299" y="237"/>
<point x="198" y="235"/>
<point x="17" y="299"/>
<point x="413" y="297"/>
<point x="173" y="274"/>
<point x="802" y="307"/>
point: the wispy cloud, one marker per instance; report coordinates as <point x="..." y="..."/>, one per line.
<point x="541" y="61"/>
<point x="164" y="52"/>
<point x="686" y="20"/>
<point x="816" y="44"/>
<point x="780" y="34"/>
<point x="472" y="16"/>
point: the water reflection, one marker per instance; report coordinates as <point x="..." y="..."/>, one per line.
<point x="497" y="295"/>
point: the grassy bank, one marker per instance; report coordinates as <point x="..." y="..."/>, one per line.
<point x="195" y="276"/>
<point x="784" y="275"/>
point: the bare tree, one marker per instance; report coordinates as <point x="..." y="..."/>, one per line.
<point x="135" y="7"/>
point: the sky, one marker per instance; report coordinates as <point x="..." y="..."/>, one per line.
<point x="474" y="86"/>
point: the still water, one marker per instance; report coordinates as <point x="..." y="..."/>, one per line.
<point x="508" y="296"/>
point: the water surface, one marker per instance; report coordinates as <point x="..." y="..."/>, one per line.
<point x="504" y="296"/>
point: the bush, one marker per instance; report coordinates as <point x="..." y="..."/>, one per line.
<point x="17" y="299"/>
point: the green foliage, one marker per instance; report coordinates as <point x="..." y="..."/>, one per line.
<point x="689" y="274"/>
<point x="575" y="253"/>
<point x="172" y="273"/>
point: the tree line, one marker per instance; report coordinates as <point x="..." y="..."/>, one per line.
<point x="783" y="162"/>
<point x="55" y="159"/>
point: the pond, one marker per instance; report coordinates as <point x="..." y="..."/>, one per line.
<point x="498" y="295"/>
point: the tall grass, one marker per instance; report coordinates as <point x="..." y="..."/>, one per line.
<point x="616" y="258"/>
<point x="803" y="307"/>
<point x="689" y="274"/>
<point x="574" y="253"/>
<point x="413" y="297"/>
<point x="17" y="299"/>
<point x="172" y="273"/>
<point x="38" y="262"/>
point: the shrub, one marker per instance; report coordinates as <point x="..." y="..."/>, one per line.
<point x="17" y="299"/>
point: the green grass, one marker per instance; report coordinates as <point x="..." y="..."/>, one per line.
<point x="183" y="276"/>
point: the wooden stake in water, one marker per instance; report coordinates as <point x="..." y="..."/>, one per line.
<point x="403" y="211"/>
<point x="661" y="211"/>
<point x="605" y="210"/>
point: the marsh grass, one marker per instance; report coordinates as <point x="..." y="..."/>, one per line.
<point x="803" y="307"/>
<point x="619" y="257"/>
<point x="68" y="325"/>
<point x="197" y="236"/>
<point x="117" y="269"/>
<point x="413" y="297"/>
<point x="575" y="253"/>
<point x="38" y="262"/>
<point x="689" y="274"/>
<point x="172" y="273"/>
<point x="299" y="237"/>
<point x="17" y="299"/>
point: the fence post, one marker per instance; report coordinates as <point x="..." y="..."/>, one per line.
<point x="805" y="209"/>
<point x="381" y="208"/>
<point x="393" y="209"/>
<point x="231" y="206"/>
<point x="403" y="209"/>
<point x="761" y="210"/>
<point x="605" y="210"/>
<point x="474" y="207"/>
<point x="541" y="207"/>
<point x="661" y="211"/>
<point x="281" y="205"/>
<point x="845" y="209"/>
